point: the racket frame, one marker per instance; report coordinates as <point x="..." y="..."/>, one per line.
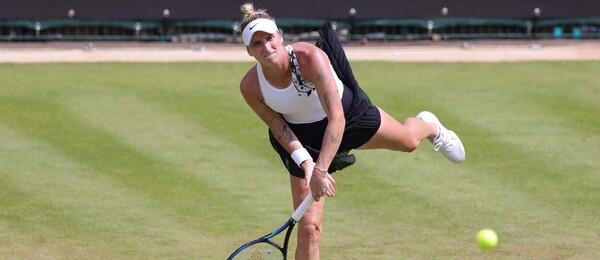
<point x="289" y="225"/>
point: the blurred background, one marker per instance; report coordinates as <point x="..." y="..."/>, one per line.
<point x="374" y="20"/>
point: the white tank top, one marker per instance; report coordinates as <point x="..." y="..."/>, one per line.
<point x="298" y="102"/>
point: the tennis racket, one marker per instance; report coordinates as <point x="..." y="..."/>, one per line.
<point x="264" y="247"/>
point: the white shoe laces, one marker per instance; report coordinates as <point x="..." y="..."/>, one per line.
<point x="445" y="141"/>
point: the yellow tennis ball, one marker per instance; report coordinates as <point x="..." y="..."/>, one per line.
<point x="487" y="239"/>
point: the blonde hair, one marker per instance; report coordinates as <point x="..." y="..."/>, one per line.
<point x="250" y="15"/>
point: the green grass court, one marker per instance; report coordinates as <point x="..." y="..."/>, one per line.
<point x="166" y="161"/>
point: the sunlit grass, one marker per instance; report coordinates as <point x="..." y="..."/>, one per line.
<point x="147" y="161"/>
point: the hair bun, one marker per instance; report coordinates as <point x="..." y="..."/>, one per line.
<point x="247" y="9"/>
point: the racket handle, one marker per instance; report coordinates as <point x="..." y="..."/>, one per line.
<point x="303" y="207"/>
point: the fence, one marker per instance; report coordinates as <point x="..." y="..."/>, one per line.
<point x="224" y="30"/>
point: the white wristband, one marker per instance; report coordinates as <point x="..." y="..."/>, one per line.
<point x="300" y="155"/>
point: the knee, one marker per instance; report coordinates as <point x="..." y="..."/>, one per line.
<point x="309" y="234"/>
<point x="411" y="145"/>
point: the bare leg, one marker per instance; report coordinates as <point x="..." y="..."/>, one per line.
<point x="397" y="136"/>
<point x="309" y="228"/>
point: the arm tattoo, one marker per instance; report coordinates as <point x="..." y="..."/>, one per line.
<point x="271" y="119"/>
<point x="287" y="133"/>
<point x="334" y="139"/>
<point x="326" y="106"/>
<point x="320" y="77"/>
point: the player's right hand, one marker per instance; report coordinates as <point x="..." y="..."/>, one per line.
<point x="321" y="184"/>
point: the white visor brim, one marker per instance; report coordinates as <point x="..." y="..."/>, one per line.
<point x="262" y="24"/>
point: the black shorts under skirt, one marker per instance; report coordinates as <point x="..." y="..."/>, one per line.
<point x="362" y="122"/>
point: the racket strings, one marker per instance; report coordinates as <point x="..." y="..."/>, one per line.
<point x="260" y="251"/>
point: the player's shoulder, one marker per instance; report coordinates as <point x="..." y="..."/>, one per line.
<point x="308" y="53"/>
<point x="249" y="81"/>
<point x="304" y="45"/>
<point x="305" y="48"/>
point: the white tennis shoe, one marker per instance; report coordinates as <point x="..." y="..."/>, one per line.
<point x="447" y="141"/>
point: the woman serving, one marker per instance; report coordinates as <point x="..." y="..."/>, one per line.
<point x="315" y="119"/>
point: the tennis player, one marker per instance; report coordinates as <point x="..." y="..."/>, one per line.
<point x="316" y="114"/>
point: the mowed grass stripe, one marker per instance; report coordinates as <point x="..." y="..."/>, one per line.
<point x="430" y="195"/>
<point x="531" y="171"/>
<point x="527" y="119"/>
<point x="537" y="149"/>
<point x="56" y="207"/>
<point x="162" y="133"/>
<point x="186" y="145"/>
<point x="556" y="192"/>
<point x="104" y="154"/>
<point x="533" y="117"/>
<point x="206" y="208"/>
<point x="504" y="106"/>
<point x="19" y="237"/>
<point x="416" y="194"/>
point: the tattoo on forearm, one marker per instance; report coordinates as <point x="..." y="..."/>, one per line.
<point x="320" y="77"/>
<point x="271" y="119"/>
<point x="287" y="133"/>
<point x="333" y="139"/>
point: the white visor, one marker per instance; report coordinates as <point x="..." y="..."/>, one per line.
<point x="262" y="24"/>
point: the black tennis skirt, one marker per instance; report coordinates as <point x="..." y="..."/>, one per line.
<point x="362" y="122"/>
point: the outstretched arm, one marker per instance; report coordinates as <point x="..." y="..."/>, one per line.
<point x="281" y="131"/>
<point x="316" y="68"/>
